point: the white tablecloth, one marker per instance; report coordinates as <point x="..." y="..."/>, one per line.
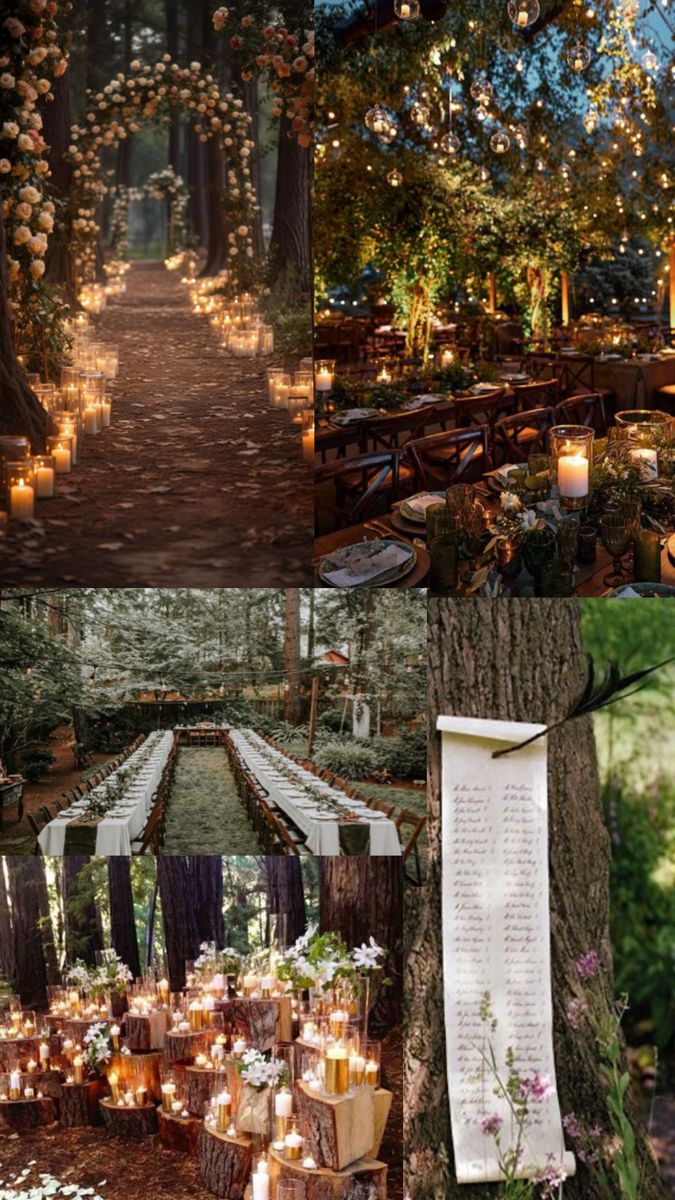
<point x="321" y="831"/>
<point x="126" y="821"/>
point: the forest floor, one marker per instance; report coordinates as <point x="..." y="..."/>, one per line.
<point x="205" y="814"/>
<point x="119" y="1170"/>
<point x="197" y="482"/>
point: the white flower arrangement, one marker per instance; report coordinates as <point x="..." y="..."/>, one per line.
<point x="97" y="1049"/>
<point x="260" y="1072"/>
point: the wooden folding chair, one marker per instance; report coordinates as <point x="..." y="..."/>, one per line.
<point x="411" y="847"/>
<point x="150" y="836"/>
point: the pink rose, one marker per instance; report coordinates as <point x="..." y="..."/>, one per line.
<point x="268" y="32"/>
<point x="14" y="27"/>
<point x="36" y="7"/>
<point x="247" y="22"/>
<point x="300" y="64"/>
<point x="235" y="42"/>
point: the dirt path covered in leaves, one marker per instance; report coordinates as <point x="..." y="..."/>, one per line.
<point x="205" y="814"/>
<point x="196" y="483"/>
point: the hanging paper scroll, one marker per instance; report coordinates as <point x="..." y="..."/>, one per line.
<point x="496" y="944"/>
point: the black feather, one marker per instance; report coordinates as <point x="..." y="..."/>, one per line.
<point x="612" y="687"/>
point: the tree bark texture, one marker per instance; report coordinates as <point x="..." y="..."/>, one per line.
<point x="180" y="929"/>
<point x="122" y="919"/>
<point x="47" y="932"/>
<point x="262" y="1022"/>
<point x="179" y="1134"/>
<point x="207" y="875"/>
<point x="56" y="129"/>
<point x="7" y="963"/>
<point x="364" y="1180"/>
<point x="521" y="661"/>
<point x="286" y="897"/>
<point x="290" y="246"/>
<point x="360" y="898"/>
<point x="225" y="1164"/>
<point x="129" y="1122"/>
<point x="26" y="1114"/>
<point x="83" y="938"/>
<point x="80" y="1104"/>
<point x="338" y="1131"/>
<point x="20" y="411"/>
<point x="26" y="876"/>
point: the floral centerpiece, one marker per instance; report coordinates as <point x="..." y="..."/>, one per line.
<point x="109" y="975"/>
<point x="259" y="1076"/>
<point x="97" y="1049"/>
<point x="213" y="961"/>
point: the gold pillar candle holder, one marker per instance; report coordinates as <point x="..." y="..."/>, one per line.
<point x="293" y="1142"/>
<point x="196" y="1016"/>
<point x="338" y="1023"/>
<point x="15" y="1086"/>
<point x="336" y="1064"/>
<point x="168" y="1093"/>
<point x="357" y="1070"/>
<point x="113" y="1084"/>
<point x="141" y="1096"/>
<point x="223" y="1112"/>
<point x="78" y="1070"/>
<point x="372" y="1067"/>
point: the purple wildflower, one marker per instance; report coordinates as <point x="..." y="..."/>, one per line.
<point x="537" y="1087"/>
<point x="588" y="965"/>
<point x="576" y="1011"/>
<point x="572" y="1126"/>
<point x="491" y="1125"/>
<point x="551" y="1177"/>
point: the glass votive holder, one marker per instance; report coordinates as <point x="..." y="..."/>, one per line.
<point x="60" y="447"/>
<point x="644" y="426"/>
<point x="293" y="1142"/>
<point x="46" y="394"/>
<point x="647" y="557"/>
<point x="169" y="1088"/>
<point x="444" y="562"/>
<point x="373" y="1064"/>
<point x="307" y="426"/>
<point x="282" y="390"/>
<point x="274" y="374"/>
<point x="43" y="471"/>
<point x="295" y="405"/>
<point x="92" y="417"/>
<point x="507" y="553"/>
<point x="557" y="579"/>
<point x="571" y="461"/>
<point x="336" y="1069"/>
<point x="92" y="386"/>
<point x="587" y="540"/>
<point x="265" y="340"/>
<point x="66" y="426"/>
<point x="324" y="374"/>
<point x="21" y="490"/>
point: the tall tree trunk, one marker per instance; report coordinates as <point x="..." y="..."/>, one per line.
<point x="122" y="919"/>
<point x="180" y="927"/>
<point x="25" y="878"/>
<point x="311" y="625"/>
<point x="524" y="662"/>
<point x="47" y="932"/>
<point x="216" y="254"/>
<point x="207" y="877"/>
<point x="82" y="925"/>
<point x="361" y="898"/>
<point x="56" y="130"/>
<point x="286" y="897"/>
<point x="290" y="246"/>
<point x="7" y="961"/>
<point x="171" y="19"/>
<point x="292" y="712"/>
<point x="20" y="411"/>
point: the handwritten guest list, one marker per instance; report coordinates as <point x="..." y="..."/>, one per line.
<point x="496" y="941"/>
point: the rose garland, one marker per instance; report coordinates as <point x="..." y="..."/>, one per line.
<point x="30" y="59"/>
<point x="160" y="184"/>
<point x="149" y="94"/>
<point x="284" y="60"/>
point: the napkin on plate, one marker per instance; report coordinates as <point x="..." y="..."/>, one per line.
<point x="365" y="564"/>
<point x="420" y="402"/>
<point x="355" y="414"/>
<point x="420" y="504"/>
<point x="628" y="593"/>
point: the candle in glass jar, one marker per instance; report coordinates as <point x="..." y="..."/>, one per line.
<point x="201" y="1061"/>
<point x="250" y="984"/>
<point x="338" y="1024"/>
<point x="223" y="1111"/>
<point x="29" y="1093"/>
<point x="115" y="1035"/>
<point x="141" y="1095"/>
<point x="337" y="1071"/>
<point x="130" y="1099"/>
<point x="357" y="1066"/>
<point x="283" y="1104"/>
<point x="324" y="380"/>
<point x="168" y="1096"/>
<point x="62" y="460"/>
<point x="573" y="475"/>
<point x="266" y="985"/>
<point x="261" y="1186"/>
<point x="294" y="1143"/>
<point x="44" y="1055"/>
<point x="105" y="408"/>
<point x="196" y="1014"/>
<point x="68" y="1047"/>
<point x="44" y="482"/>
<point x="22" y="501"/>
<point x="240" y="1046"/>
<point x="372" y="1073"/>
<point x="163" y="989"/>
<point x="28" y="1028"/>
<point x="113" y="1080"/>
<point x="647" y="461"/>
<point x="522" y="18"/>
<point x="15" y="1085"/>
<point x="78" y="1069"/>
<point x="31" y="1066"/>
<point x="91" y="419"/>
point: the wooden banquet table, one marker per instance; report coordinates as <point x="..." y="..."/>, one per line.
<point x="322" y="830"/>
<point x="633" y="381"/>
<point x="115" y="831"/>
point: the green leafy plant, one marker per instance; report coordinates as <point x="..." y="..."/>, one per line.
<point x="350" y="760"/>
<point x="37" y="763"/>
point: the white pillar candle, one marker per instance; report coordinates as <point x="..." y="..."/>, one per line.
<point x="261" y="1186"/>
<point x="294" y="1143"/>
<point x="29" y="1093"/>
<point x="31" y="1066"/>
<point x="22" y="502"/>
<point x="44" y="482"/>
<point x="15" y="1085"/>
<point x="91" y="420"/>
<point x="522" y="18"/>
<point x="218" y="984"/>
<point x="404" y="11"/>
<point x="283" y="1104"/>
<point x="324" y="380"/>
<point x="44" y="1052"/>
<point x="239" y="1046"/>
<point x="168" y="1095"/>
<point x="573" y="475"/>
<point x="647" y="461"/>
<point x="61" y="456"/>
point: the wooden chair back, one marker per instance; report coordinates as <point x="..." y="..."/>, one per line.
<point x="359" y="485"/>
<point x="584" y="409"/>
<point x="509" y="444"/>
<point x="465" y="457"/>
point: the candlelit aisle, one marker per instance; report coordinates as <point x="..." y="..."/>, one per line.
<point x="204" y="1039"/>
<point x="197" y="480"/>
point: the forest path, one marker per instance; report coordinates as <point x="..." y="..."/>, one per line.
<point x="197" y="482"/>
<point x="205" y="814"/>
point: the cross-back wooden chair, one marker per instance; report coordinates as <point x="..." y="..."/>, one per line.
<point x="389" y="433"/>
<point x="540" y="393"/>
<point x="455" y="456"/>
<point x="584" y="409"/>
<point x="360" y="485"/>
<point x="522" y="434"/>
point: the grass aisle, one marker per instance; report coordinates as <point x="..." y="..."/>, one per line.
<point x="205" y="814"/>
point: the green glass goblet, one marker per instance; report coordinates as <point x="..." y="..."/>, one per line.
<point x="615" y="533"/>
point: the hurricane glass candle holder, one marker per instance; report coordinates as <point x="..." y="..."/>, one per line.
<point x="572" y="461"/>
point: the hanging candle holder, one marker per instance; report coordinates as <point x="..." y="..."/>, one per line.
<point x="420" y="113"/>
<point x="482" y="90"/>
<point x="500" y="142"/>
<point x="578" y="57"/>
<point x="394" y="178"/>
<point x="407" y="10"/>
<point x="523" y="13"/>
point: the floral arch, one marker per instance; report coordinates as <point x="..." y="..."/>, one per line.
<point x="161" y="185"/>
<point x="147" y="94"/>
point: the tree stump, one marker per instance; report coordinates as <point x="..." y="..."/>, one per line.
<point x="338" y="1129"/>
<point x="184" y="1047"/>
<point x="138" y="1122"/>
<point x="79" y="1103"/>
<point x="383" y="1101"/>
<point x="198" y="1086"/>
<point x="365" y="1179"/>
<point x="264" y="1023"/>
<point x="18" y="1115"/>
<point x="146" y="1033"/>
<point x="225" y="1163"/>
<point x="179" y="1133"/>
<point x="75" y="1029"/>
<point x="16" y="1052"/>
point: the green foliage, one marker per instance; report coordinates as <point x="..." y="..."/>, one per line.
<point x="404" y="757"/>
<point x="351" y="760"/>
<point x="332" y="720"/>
<point x="642" y="827"/>
<point x="36" y="763"/>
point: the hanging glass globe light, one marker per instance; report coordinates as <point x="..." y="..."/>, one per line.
<point x="500" y="141"/>
<point x="407" y="10"/>
<point x="523" y="12"/>
<point x="450" y="143"/>
<point x="395" y="178"/>
<point x="520" y="136"/>
<point x="650" y="62"/>
<point x="380" y="123"/>
<point x="578" y="57"/>
<point x="420" y="112"/>
<point x="482" y="90"/>
<point x="481" y="113"/>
